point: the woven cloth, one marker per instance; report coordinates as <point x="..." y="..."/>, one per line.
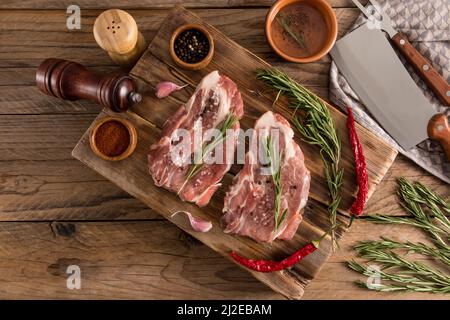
<point x="426" y="23"/>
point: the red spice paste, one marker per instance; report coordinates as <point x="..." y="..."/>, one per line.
<point x="299" y="30"/>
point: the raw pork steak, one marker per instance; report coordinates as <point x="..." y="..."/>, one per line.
<point x="249" y="208"/>
<point x="215" y="97"/>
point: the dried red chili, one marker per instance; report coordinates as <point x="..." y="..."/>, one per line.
<point x="270" y="266"/>
<point x="360" y="166"/>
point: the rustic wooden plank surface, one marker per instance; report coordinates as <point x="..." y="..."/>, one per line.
<point x="77" y="193"/>
<point x="127" y="4"/>
<point x="156" y="66"/>
<point x="132" y="176"/>
<point x="39" y="180"/>
<point x="241" y="65"/>
<point x="154" y="260"/>
<point x="245" y="26"/>
<point x="23" y="158"/>
<point x="21" y="53"/>
<point x="335" y="281"/>
<point x="146" y="260"/>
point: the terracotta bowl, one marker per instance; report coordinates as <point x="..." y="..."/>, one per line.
<point x="330" y="19"/>
<point x="131" y="147"/>
<point x="191" y="66"/>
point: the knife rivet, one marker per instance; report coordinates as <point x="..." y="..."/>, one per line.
<point x="426" y="67"/>
<point x="448" y="93"/>
<point x="440" y="128"/>
<point x="402" y="42"/>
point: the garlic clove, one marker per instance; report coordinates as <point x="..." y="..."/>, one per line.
<point x="197" y="224"/>
<point x="165" y="88"/>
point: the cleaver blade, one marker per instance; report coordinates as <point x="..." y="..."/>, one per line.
<point x="374" y="71"/>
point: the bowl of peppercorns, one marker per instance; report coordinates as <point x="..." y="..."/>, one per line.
<point x="191" y="46"/>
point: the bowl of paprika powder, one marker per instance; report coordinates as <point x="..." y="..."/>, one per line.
<point x="113" y="138"/>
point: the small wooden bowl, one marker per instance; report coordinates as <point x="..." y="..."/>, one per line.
<point x="330" y="19"/>
<point x="131" y="147"/>
<point x="181" y="63"/>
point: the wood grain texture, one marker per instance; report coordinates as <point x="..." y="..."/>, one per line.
<point x="131" y="174"/>
<point x="385" y="199"/>
<point x="156" y="65"/>
<point x="145" y="260"/>
<point x="424" y="68"/>
<point x="23" y="27"/>
<point x="31" y="145"/>
<point x="116" y="32"/>
<point x="39" y="180"/>
<point x="127" y="4"/>
<point x="336" y="281"/>
<point x="156" y="260"/>
<point x="439" y="130"/>
<point x="21" y="53"/>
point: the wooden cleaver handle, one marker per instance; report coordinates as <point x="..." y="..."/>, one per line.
<point x="439" y="130"/>
<point x="424" y="68"/>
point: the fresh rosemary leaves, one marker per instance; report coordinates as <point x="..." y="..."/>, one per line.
<point x="317" y="129"/>
<point x="416" y="200"/>
<point x="275" y="162"/>
<point x="397" y="272"/>
<point x="208" y="147"/>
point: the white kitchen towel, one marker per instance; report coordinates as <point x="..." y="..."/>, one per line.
<point x="426" y="23"/>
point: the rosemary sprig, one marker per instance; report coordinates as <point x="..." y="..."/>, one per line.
<point x="275" y="161"/>
<point x="428" y="226"/>
<point x="286" y="25"/>
<point x="399" y="282"/>
<point x="390" y="259"/>
<point x="434" y="202"/>
<point x="318" y="129"/>
<point x="389" y="244"/>
<point x="415" y="199"/>
<point x="431" y="196"/>
<point x="199" y="156"/>
<point x="408" y="275"/>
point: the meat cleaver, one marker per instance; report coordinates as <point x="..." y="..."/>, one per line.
<point x="424" y="68"/>
<point x="377" y="75"/>
<point x="374" y="71"/>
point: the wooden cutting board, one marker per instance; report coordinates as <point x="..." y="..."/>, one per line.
<point x="240" y="65"/>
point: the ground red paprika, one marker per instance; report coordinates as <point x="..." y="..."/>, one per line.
<point x="112" y="138"/>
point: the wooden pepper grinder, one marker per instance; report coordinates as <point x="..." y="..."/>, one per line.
<point x="116" y="32"/>
<point x="72" y="81"/>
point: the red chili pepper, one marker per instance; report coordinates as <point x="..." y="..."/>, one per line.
<point x="360" y="167"/>
<point x="270" y="266"/>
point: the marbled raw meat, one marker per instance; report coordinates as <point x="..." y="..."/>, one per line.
<point x="214" y="98"/>
<point x="249" y="204"/>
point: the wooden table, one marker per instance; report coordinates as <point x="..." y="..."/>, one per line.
<point x="55" y="212"/>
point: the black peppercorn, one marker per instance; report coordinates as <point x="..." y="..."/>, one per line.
<point x="191" y="46"/>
